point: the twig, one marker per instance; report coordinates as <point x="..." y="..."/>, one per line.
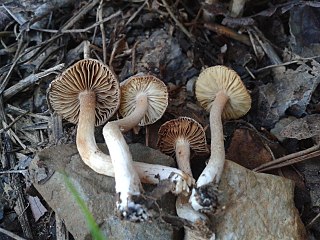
<point x="28" y="81"/>
<point x="179" y="24"/>
<point x="133" y="57"/>
<point x="10" y="234"/>
<point x="14" y="136"/>
<point x="103" y="33"/>
<point x="286" y="63"/>
<point x="12" y="123"/>
<point x="290" y="159"/>
<point x="136" y="13"/>
<point x="313" y="221"/>
<point x="266" y="46"/>
<point x="23" y="171"/>
<point x="77" y="16"/>
<point x="228" y="32"/>
<point x="79" y="30"/>
<point x="21" y="111"/>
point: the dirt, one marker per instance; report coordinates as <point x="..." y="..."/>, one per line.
<point x="273" y="46"/>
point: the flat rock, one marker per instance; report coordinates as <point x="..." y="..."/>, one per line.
<point x="98" y="193"/>
<point x="255" y="205"/>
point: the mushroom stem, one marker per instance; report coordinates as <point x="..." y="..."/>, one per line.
<point x="85" y="139"/>
<point x="183" y="156"/>
<point x="126" y="177"/>
<point x="132" y="120"/>
<point x="214" y="168"/>
<point x="183" y="207"/>
<point x="204" y="196"/>
<point x="101" y="162"/>
<point x="127" y="180"/>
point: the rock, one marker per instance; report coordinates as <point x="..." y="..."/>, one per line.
<point x="295" y="93"/>
<point x="98" y="193"/>
<point x="253" y="205"/>
<point x="256" y="206"/>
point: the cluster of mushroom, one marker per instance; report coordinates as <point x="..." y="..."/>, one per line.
<point x="88" y="94"/>
<point x="221" y="92"/>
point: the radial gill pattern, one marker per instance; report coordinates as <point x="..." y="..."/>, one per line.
<point x="182" y="128"/>
<point x="220" y="78"/>
<point x="156" y="92"/>
<point x="85" y="75"/>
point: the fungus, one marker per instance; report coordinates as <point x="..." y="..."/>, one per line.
<point x="87" y="94"/>
<point x="177" y="137"/>
<point x="68" y="94"/>
<point x="221" y="92"/>
<point x="143" y="101"/>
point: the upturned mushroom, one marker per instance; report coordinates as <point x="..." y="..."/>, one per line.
<point x="88" y="94"/>
<point x="221" y="92"/>
<point x="177" y="138"/>
<point x="144" y="99"/>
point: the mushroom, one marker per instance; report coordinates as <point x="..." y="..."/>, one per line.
<point x="87" y="94"/>
<point x="177" y="137"/>
<point x="144" y="99"/>
<point x="221" y="92"/>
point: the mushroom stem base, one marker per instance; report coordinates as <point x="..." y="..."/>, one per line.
<point x="205" y="198"/>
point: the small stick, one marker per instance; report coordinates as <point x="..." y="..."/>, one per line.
<point x="136" y="13"/>
<point x="179" y="24"/>
<point x="10" y="234"/>
<point x="23" y="171"/>
<point x="103" y="33"/>
<point x="12" y="123"/>
<point x="28" y="81"/>
<point x="308" y="153"/>
<point x="228" y="32"/>
<point x="79" y="30"/>
<point x="77" y="16"/>
<point x="21" y="111"/>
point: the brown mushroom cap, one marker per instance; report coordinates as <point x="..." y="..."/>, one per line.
<point x="85" y="75"/>
<point x="157" y="94"/>
<point x="217" y="78"/>
<point x="182" y="128"/>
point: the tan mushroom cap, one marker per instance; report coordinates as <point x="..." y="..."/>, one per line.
<point x="217" y="78"/>
<point x="85" y="75"/>
<point x="156" y="91"/>
<point x="182" y="128"/>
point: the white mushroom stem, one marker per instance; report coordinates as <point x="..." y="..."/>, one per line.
<point x="213" y="171"/>
<point x="183" y="207"/>
<point x="132" y="120"/>
<point x="214" y="168"/>
<point x="127" y="180"/>
<point x="126" y="177"/>
<point x="101" y="163"/>
<point x="182" y="150"/>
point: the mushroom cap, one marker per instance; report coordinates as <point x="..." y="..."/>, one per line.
<point x="220" y="78"/>
<point x="156" y="92"/>
<point x="85" y="75"/>
<point x="182" y="128"/>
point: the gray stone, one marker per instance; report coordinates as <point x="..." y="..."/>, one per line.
<point x="256" y="206"/>
<point x="253" y="205"/>
<point x="98" y="193"/>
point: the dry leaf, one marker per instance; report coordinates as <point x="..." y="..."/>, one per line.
<point x="38" y="210"/>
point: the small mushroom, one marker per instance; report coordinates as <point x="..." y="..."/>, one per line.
<point x="143" y="101"/>
<point x="221" y="92"/>
<point x="178" y="137"/>
<point x="87" y="94"/>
